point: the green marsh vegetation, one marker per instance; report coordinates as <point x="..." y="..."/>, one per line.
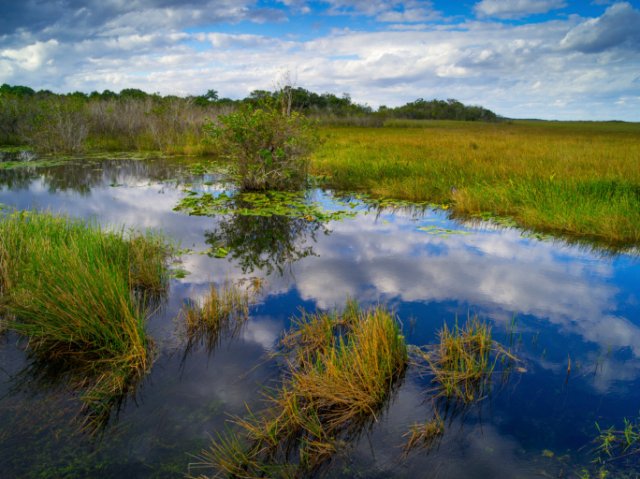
<point x="580" y="180"/>
<point x="340" y="371"/>
<point x="80" y="295"/>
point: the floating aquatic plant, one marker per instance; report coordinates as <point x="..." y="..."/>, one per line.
<point x="265" y="204"/>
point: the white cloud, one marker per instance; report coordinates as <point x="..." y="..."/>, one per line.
<point x="30" y="57"/>
<point x="516" y="8"/>
<point x="618" y="26"/>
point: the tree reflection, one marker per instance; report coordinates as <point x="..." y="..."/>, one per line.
<point x="265" y="243"/>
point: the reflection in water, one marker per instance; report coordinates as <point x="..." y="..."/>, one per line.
<point x="81" y="176"/>
<point x="568" y="302"/>
<point x="102" y="392"/>
<point x="266" y="243"/>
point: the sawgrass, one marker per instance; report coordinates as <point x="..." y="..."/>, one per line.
<point x="581" y="180"/>
<point x="78" y="293"/>
<point x="340" y="370"/>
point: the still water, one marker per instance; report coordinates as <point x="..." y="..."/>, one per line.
<point x="553" y="303"/>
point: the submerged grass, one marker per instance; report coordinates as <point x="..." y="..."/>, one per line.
<point x="340" y="371"/>
<point x="576" y="179"/>
<point x="424" y="435"/>
<point x="463" y="361"/>
<point x="78" y="294"/>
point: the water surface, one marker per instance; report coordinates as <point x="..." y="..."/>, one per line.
<point x="552" y="302"/>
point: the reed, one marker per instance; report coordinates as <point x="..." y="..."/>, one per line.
<point x="340" y="371"/>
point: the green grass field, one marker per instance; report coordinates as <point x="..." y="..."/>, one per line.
<point x="578" y="179"/>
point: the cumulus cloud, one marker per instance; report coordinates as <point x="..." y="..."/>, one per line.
<point x="516" y="8"/>
<point x="619" y="26"/>
<point x="525" y="70"/>
<point x="30" y="57"/>
<point x="82" y="19"/>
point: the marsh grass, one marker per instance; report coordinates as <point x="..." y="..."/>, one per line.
<point x="579" y="180"/>
<point x="223" y="308"/>
<point x="463" y="361"/>
<point x="340" y="370"/>
<point x="78" y="293"/>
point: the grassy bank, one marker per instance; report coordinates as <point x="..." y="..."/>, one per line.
<point x="78" y="294"/>
<point x="577" y="179"/>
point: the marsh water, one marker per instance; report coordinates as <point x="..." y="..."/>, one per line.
<point x="570" y="313"/>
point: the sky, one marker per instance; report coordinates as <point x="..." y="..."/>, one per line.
<point x="549" y="59"/>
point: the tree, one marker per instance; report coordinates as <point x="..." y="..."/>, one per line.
<point x="268" y="144"/>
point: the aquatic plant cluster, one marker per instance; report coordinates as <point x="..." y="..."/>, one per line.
<point x="80" y="295"/>
<point x="340" y="371"/>
<point x="290" y="204"/>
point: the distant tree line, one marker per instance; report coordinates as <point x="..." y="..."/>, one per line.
<point x="135" y="119"/>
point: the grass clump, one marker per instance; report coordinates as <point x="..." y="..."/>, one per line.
<point x="463" y="361"/>
<point x="340" y="370"/>
<point x="78" y="294"/>
<point x="222" y="308"/>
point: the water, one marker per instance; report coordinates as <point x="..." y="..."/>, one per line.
<point x="552" y="302"/>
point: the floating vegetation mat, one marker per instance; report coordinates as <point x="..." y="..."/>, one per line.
<point x="270" y="203"/>
<point x="441" y="232"/>
<point x="340" y="371"/>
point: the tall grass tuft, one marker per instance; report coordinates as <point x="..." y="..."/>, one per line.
<point x="224" y="308"/>
<point x="77" y="293"/>
<point x="463" y="361"/>
<point x="340" y="371"/>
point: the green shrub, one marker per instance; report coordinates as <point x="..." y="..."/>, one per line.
<point x="269" y="145"/>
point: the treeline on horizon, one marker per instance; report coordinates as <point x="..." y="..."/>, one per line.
<point x="136" y="120"/>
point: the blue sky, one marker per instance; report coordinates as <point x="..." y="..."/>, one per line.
<point x="552" y="59"/>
